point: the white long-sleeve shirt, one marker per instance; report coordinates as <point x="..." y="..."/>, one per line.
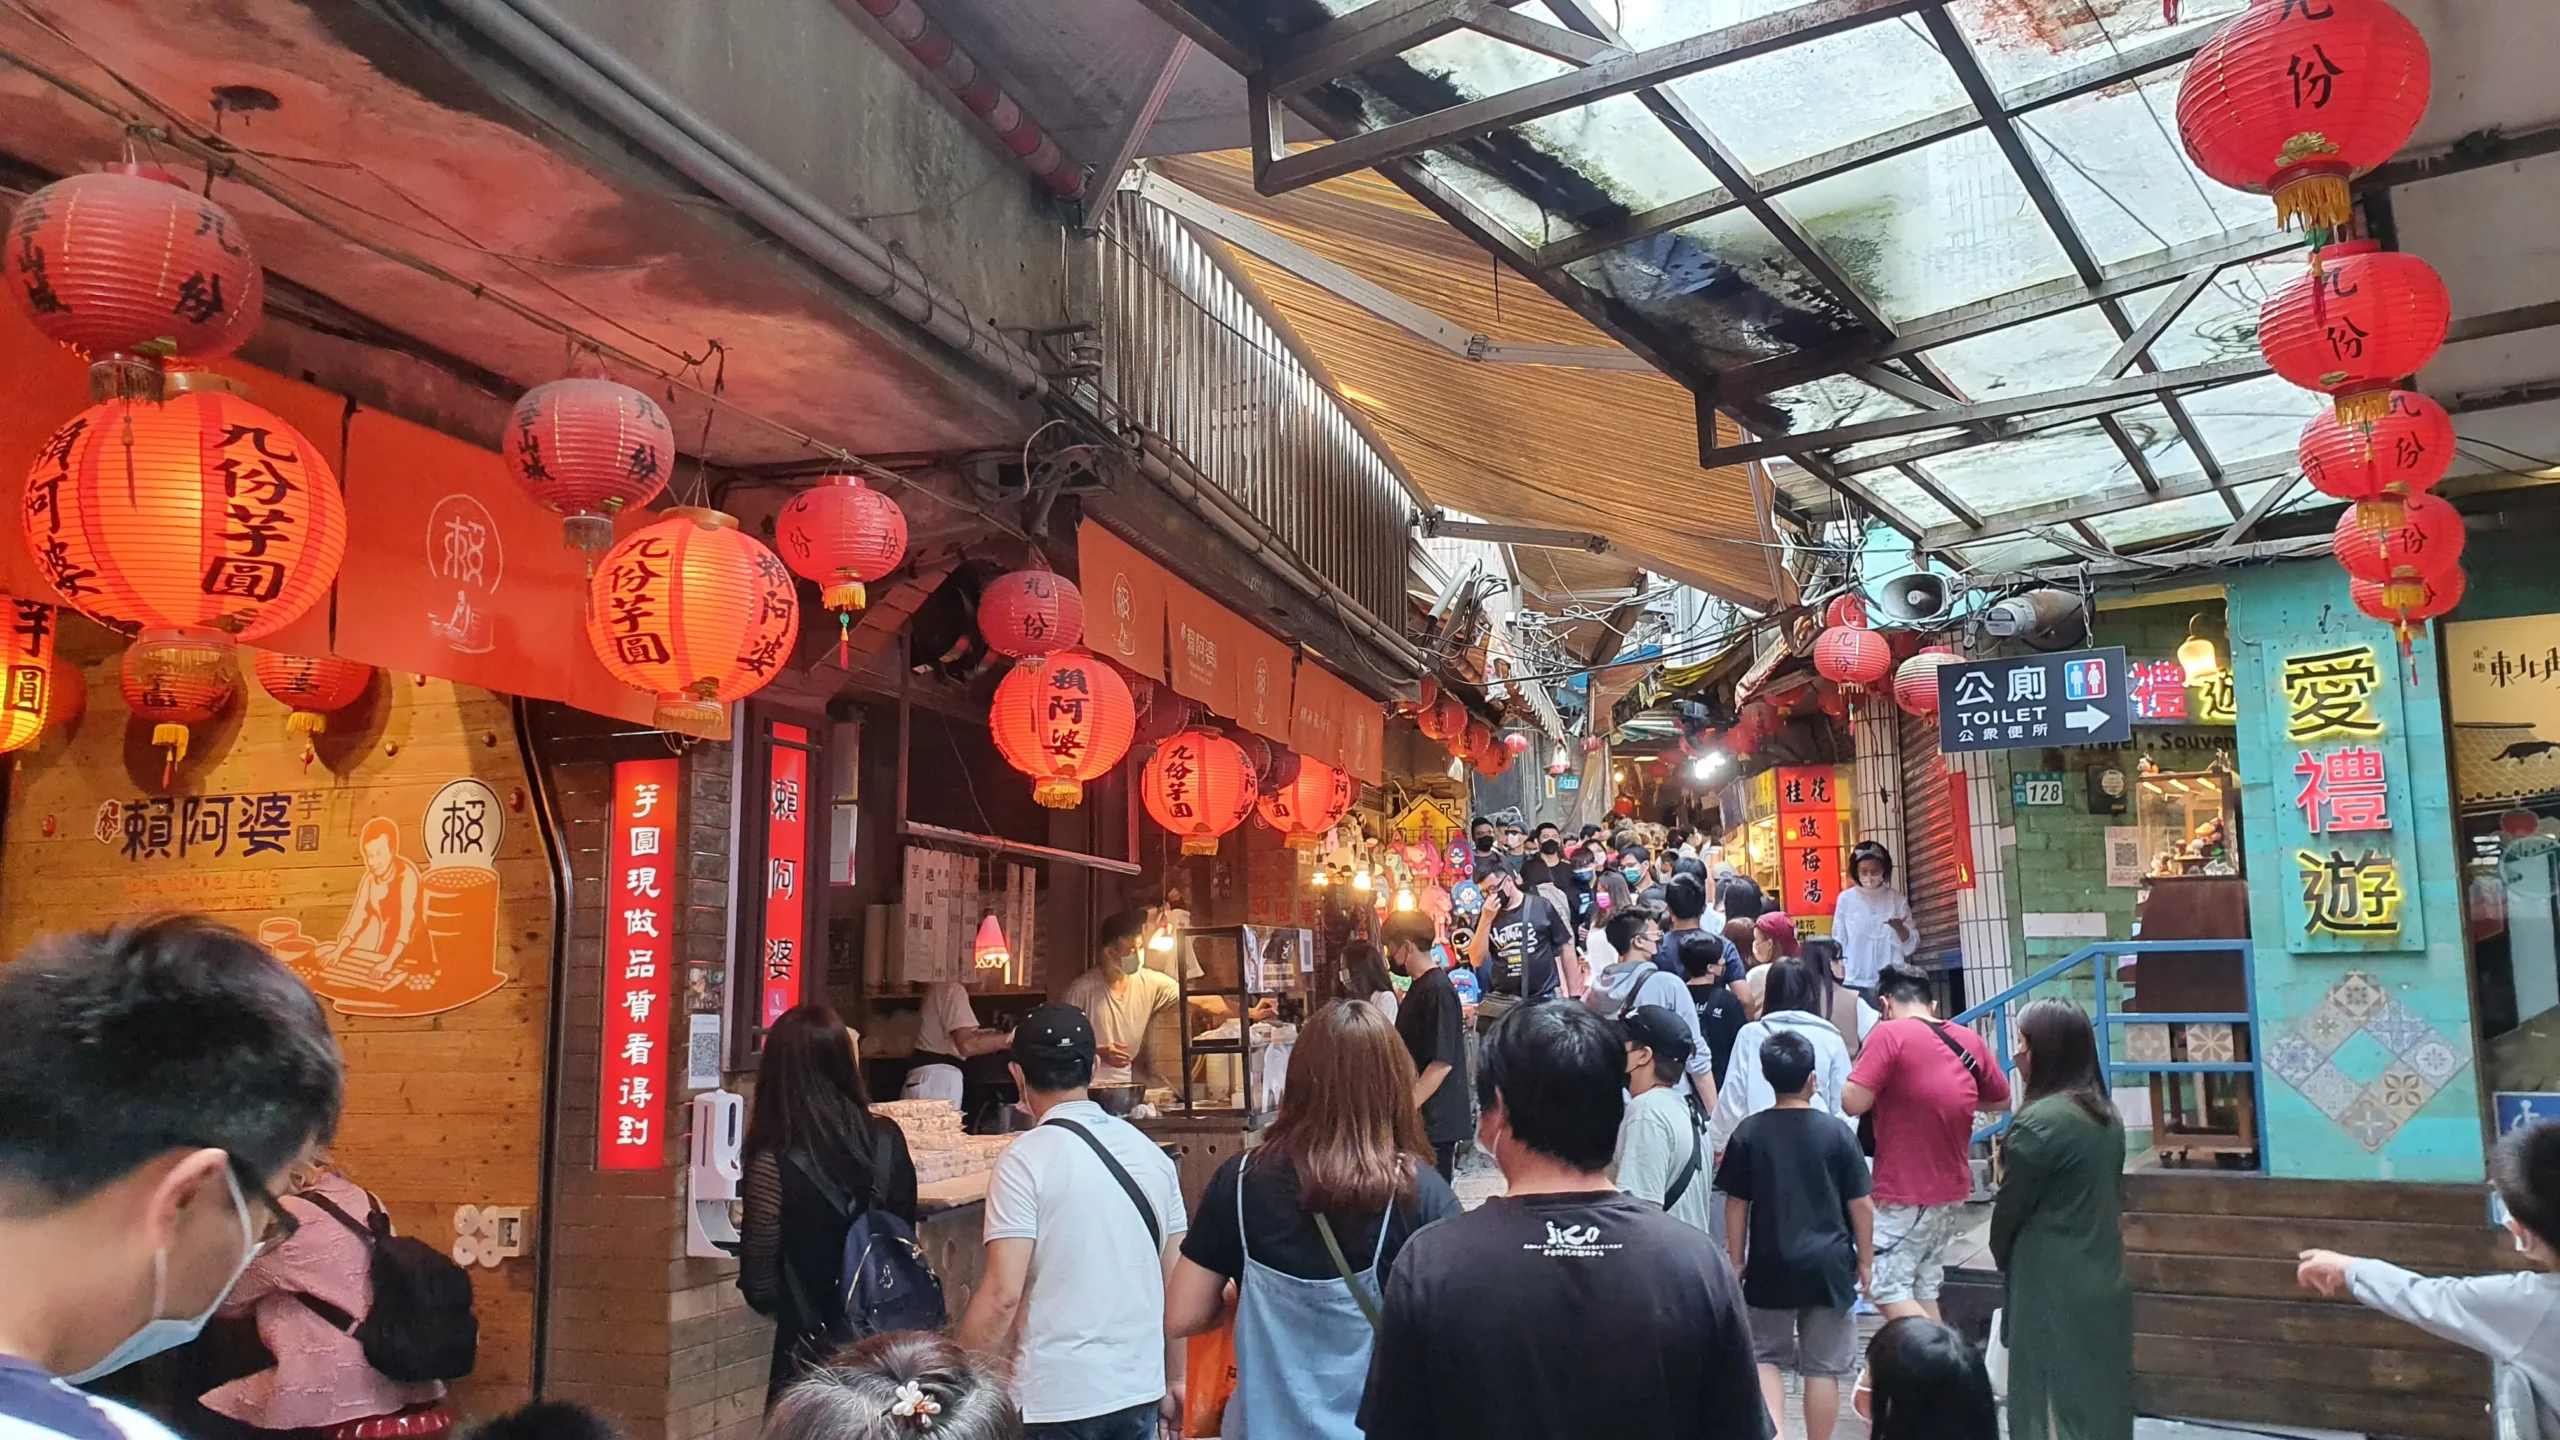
<point x="2513" y="1319"/>
<point x="1746" y="1090"/>
<point x="1861" y="921"/>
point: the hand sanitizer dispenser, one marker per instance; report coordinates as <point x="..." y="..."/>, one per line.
<point x="719" y="1127"/>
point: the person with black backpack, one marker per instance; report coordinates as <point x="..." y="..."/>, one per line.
<point x="1663" y="1155"/>
<point x="827" y="1245"/>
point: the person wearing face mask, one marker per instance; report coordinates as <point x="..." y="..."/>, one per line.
<point x="159" y="1083"/>
<point x="1521" y="946"/>
<point x="1123" y="999"/>
<point x="1872" y="921"/>
<point x="1483" y="832"/>
<point x="1634" y="981"/>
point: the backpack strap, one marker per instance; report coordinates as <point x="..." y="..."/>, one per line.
<point x="1119" y="1172"/>
<point x="1688" y="1175"/>
<point x="361" y="1227"/>
<point x="1964" y="1057"/>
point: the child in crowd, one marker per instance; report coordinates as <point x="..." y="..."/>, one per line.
<point x="1923" y="1382"/>
<point x="1801" y="1229"/>
<point x="2515" y="1318"/>
<point x="903" y="1385"/>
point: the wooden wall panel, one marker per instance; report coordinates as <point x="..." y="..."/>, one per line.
<point x="444" y="1108"/>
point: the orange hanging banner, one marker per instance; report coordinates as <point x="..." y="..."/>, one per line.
<point x="451" y="571"/>
<point x="1203" y="649"/>
<point x="1266" y="697"/>
<point x="1338" y="725"/>
<point x="1124" y="601"/>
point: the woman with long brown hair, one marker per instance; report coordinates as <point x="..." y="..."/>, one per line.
<point x="2056" y="1236"/>
<point x="815" y="1161"/>
<point x="1306" y="1225"/>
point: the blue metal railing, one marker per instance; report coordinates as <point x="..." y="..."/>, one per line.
<point x="2100" y="959"/>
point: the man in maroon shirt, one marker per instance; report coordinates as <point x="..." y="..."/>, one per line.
<point x="1924" y="1079"/>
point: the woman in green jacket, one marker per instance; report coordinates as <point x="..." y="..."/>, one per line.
<point x="2055" y="1235"/>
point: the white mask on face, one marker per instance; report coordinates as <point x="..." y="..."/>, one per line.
<point x="158" y="1333"/>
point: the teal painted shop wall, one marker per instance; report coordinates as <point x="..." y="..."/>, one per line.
<point x="2369" y="1078"/>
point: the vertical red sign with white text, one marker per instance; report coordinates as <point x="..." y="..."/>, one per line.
<point x="786" y="850"/>
<point x="642" y="873"/>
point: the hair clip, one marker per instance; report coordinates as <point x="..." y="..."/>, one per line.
<point x="913" y="1404"/>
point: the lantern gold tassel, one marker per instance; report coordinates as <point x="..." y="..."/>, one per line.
<point x="172" y="738"/>
<point x="845" y="597"/>
<point x="306" y="723"/>
<point x="2364" y="407"/>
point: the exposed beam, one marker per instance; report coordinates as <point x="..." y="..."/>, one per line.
<point x="1848" y="489"/>
<point x="2016" y="429"/>
<point x="2156" y="562"/>
<point x="2148" y="333"/>
<point x="2134" y="459"/>
<point x="1760" y="35"/>
<point x="2132" y="390"/>
<point x="2110" y="502"/>
<point x="1903" y="388"/>
<point x="1133" y="131"/>
<point x="2264" y="506"/>
<point x="2475" y="151"/>
<point x="1367" y="35"/>
<point x="1556" y="42"/>
<point x="2001" y="312"/>
<point x="2506" y="397"/>
<point x="1946" y="498"/>
<point x="1256" y="239"/>
<point x="2135" y="60"/>
<point x="2504" y="322"/>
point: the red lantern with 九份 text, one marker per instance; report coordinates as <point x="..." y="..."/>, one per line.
<point x="174" y="679"/>
<point x="587" y="449"/>
<point x="1915" y="683"/>
<point x="2421" y="540"/>
<point x="1198" y="786"/>
<point x="695" y="611"/>
<point x="1851" y="658"/>
<point x="1064" y="720"/>
<point x="130" y="268"/>
<point x="311" y="688"/>
<point x="1308" y="805"/>
<point x="201" y="510"/>
<point x="1444" y="720"/>
<point x="2354" y="328"/>
<point x="2294" y="99"/>
<point x="843" y="535"/>
<point x="1031" y="612"/>
<point x="29" y="673"/>
<point x="1477" y="741"/>
<point x="2408" y="450"/>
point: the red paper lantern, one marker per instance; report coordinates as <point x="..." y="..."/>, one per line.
<point x="1444" y="720"/>
<point x="176" y="678"/>
<point x="1592" y="744"/>
<point x="1849" y="610"/>
<point x="1478" y="741"/>
<point x="1064" y="720"/>
<point x="843" y="535"/>
<point x="696" y="612"/>
<point x="1426" y="695"/>
<point x="2422" y="541"/>
<point x="1031" y="612"/>
<point x="2406" y="605"/>
<point x="588" y="449"/>
<point x="2353" y="328"/>
<point x="2408" y="450"/>
<point x="1559" y="766"/>
<point x="310" y="687"/>
<point x="1515" y="742"/>
<point x="203" y="510"/>
<point x="130" y="268"/>
<point x="1851" y="658"/>
<point x="1309" y="805"/>
<point x="1915" y="685"/>
<point x="1198" y="787"/>
<point x="70" y="698"/>
<point x="2293" y="99"/>
<point x="27" y="671"/>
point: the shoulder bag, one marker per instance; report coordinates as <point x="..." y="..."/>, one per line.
<point x="1119" y="1172"/>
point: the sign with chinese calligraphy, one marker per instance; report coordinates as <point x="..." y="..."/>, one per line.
<point x="1124" y="595"/>
<point x="2328" y="694"/>
<point x="2344" y="809"/>
<point x="2505" y="672"/>
<point x="786" y="857"/>
<point x="2077" y="697"/>
<point x="643" y="869"/>
<point x="2159" y="691"/>
<point x="2214" y="704"/>
<point x="1813" y="833"/>
<point x="2343" y="790"/>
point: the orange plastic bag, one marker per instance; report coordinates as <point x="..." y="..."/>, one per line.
<point x="1209" y="1371"/>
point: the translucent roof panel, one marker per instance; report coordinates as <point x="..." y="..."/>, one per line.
<point x="2033" y="470"/>
<point x="2156" y="435"/>
<point x="1727" y="284"/>
<point x="2123" y="178"/>
<point x="1615" y="143"/>
<point x="1931" y="229"/>
<point x="2165" y="520"/>
<point x="2047" y="354"/>
<point x="2020" y="41"/>
<point x="1837" y="400"/>
<point x="2257" y="419"/>
<point x="1914" y="502"/>
<point x="1819" y="95"/>
<point x="2222" y="323"/>
<point x="2010" y="554"/>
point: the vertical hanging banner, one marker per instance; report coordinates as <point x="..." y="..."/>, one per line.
<point x="1123" y="601"/>
<point x="641" y="876"/>
<point x="1810" y="832"/>
<point x="786" y="851"/>
<point x="1201" y="665"/>
<point x="1960" y="823"/>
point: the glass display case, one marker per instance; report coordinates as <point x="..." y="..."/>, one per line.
<point x="1235" y="1047"/>
<point x="2188" y="821"/>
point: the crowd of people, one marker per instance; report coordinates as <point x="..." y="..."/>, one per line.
<point x="1721" y="1143"/>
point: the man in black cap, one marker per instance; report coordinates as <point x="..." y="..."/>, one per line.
<point x="1084" y="1216"/>
<point x="1662" y="1145"/>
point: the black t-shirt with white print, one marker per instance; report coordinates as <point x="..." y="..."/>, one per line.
<point x="1585" y="1317"/>
<point x="1520" y="954"/>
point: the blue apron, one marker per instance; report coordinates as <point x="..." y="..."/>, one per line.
<point x="1302" y="1347"/>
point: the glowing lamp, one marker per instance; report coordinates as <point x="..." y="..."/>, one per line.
<point x="1309" y="805"/>
<point x="1198" y="786"/>
<point x="28" y="671"/>
<point x="1031" y="612"/>
<point x="989" y="951"/>
<point x="1064" y="720"/>
<point x="588" y="449"/>
<point x="175" y="679"/>
<point x="695" y="612"/>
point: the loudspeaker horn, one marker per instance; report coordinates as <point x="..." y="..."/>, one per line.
<point x="1912" y="598"/>
<point x="2039" y="619"/>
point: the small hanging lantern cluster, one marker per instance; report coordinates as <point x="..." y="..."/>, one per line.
<point x="2295" y="100"/>
<point x="1311" y="803"/>
<point x="177" y="678"/>
<point x="311" y="688"/>
<point x="1915" y="684"/>
<point x="1064" y="720"/>
<point x="843" y="535"/>
<point x="28" y="671"/>
<point x="586" y="449"/>
<point x="1031" y="612"/>
<point x="1198" y="786"/>
<point x="696" y="612"/>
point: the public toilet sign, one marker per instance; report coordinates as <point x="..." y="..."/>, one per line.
<point x="2078" y="697"/>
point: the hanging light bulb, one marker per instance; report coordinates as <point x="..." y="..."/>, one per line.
<point x="2197" y="657"/>
<point x="990" y="952"/>
<point x="1361" y="882"/>
<point x="1322" y="879"/>
<point x="1162" y="940"/>
<point x="1404" y="897"/>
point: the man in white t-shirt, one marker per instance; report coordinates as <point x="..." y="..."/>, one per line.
<point x="1123" y="998"/>
<point x="1084" y="1216"/>
<point x="158" y="1083"/>
<point x="950" y="1034"/>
